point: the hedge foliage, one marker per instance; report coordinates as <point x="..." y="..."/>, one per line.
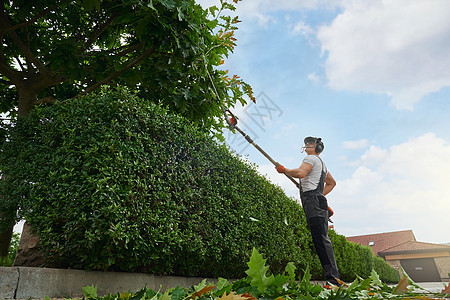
<point x="109" y="182"/>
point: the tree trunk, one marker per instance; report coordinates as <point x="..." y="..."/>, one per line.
<point x="27" y="97"/>
<point x="6" y="233"/>
<point x="5" y="239"/>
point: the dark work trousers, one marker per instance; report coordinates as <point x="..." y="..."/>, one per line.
<point x="319" y="232"/>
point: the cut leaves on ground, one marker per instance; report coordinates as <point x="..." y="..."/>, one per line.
<point x="259" y="284"/>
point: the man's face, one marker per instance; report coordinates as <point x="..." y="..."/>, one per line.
<point x="310" y="148"/>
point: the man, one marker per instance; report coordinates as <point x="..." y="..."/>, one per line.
<point x="315" y="183"/>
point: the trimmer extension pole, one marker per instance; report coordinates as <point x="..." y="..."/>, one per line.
<point x="233" y="123"/>
<point x="249" y="139"/>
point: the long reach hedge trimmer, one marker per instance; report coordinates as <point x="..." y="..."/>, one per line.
<point x="232" y="123"/>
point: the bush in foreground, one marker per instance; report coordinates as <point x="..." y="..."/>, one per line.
<point x="259" y="284"/>
<point x="109" y="182"/>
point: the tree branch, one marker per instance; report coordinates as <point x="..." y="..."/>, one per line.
<point x="34" y="19"/>
<point x="45" y="100"/>
<point x="125" y="51"/>
<point x="4" y="23"/>
<point x="13" y="75"/>
<point x="16" y="57"/>
<point x="115" y="74"/>
<point x="5" y="69"/>
<point x="29" y="55"/>
<point x="100" y="29"/>
<point x="129" y="49"/>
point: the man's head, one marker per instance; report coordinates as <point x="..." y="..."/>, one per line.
<point x="313" y="145"/>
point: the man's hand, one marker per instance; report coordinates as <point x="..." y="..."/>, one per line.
<point x="280" y="168"/>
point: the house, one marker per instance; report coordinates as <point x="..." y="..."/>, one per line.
<point x="380" y="241"/>
<point x="421" y="261"/>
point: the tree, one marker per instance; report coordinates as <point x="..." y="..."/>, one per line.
<point x="167" y="51"/>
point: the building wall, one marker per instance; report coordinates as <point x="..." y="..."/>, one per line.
<point x="395" y="263"/>
<point x="443" y="266"/>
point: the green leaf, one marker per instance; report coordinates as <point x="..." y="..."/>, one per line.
<point x="353" y="285"/>
<point x="222" y="287"/>
<point x="290" y="269"/>
<point x="200" y="285"/>
<point x="178" y="293"/>
<point x="365" y="283"/>
<point x="221" y="283"/>
<point x="213" y="9"/>
<point x="165" y="296"/>
<point x="375" y="278"/>
<point x="279" y="281"/>
<point x="257" y="272"/>
<point x="90" y="291"/>
<point x="139" y="295"/>
<point x="150" y="5"/>
<point x="306" y="276"/>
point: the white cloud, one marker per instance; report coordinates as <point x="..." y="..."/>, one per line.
<point x="302" y="28"/>
<point x="399" y="48"/>
<point x="285" y="131"/>
<point x="374" y="156"/>
<point x="399" y="188"/>
<point x="359" y="144"/>
<point x="261" y="10"/>
<point x="393" y="47"/>
<point x="314" y="77"/>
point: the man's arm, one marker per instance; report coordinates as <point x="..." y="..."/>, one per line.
<point x="300" y="172"/>
<point x="330" y="183"/>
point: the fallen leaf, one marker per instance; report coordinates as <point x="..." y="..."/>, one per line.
<point x="201" y="292"/>
<point x="248" y="296"/>
<point x="402" y="286"/>
<point x="343" y="284"/>
<point x="233" y="296"/>
<point x="446" y="290"/>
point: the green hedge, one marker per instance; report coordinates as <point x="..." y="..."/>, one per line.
<point x="111" y="183"/>
<point x="356" y="259"/>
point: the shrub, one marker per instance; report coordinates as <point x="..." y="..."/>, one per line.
<point x="354" y="259"/>
<point x="109" y="182"/>
<point x="9" y="259"/>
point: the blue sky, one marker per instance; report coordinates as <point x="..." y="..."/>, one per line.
<point x="372" y="78"/>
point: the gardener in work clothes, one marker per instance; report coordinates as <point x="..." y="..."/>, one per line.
<point x="315" y="183"/>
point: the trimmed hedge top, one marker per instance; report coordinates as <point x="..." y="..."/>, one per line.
<point x="109" y="182"/>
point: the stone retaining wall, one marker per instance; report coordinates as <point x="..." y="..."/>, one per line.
<point x="37" y="283"/>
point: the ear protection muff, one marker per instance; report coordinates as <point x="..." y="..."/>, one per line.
<point x="318" y="141"/>
<point x="319" y="145"/>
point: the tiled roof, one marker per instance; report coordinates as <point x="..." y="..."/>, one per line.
<point x="382" y="241"/>
<point x="413" y="246"/>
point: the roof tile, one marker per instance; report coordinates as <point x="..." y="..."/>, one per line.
<point x="383" y="241"/>
<point x="416" y="246"/>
